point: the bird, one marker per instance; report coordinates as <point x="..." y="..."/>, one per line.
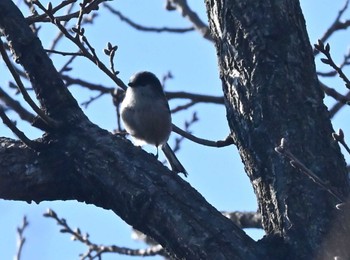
<point x="146" y="115"/>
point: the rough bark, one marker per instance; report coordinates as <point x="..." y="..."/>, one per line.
<point x="271" y="92"/>
<point x="80" y="161"/>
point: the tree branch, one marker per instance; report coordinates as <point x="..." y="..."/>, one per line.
<point x="145" y="28"/>
<point x="16" y="106"/>
<point x="336" y="25"/>
<point x="47" y="83"/>
<point x="85" y="163"/>
<point x="195" y="97"/>
<point x="95" y="251"/>
<point x="245" y="219"/>
<point x="21" y="239"/>
<point x="185" y="10"/>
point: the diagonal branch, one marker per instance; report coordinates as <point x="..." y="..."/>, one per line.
<point x="95" y="251"/>
<point x="16" y="106"/>
<point x="22" y="89"/>
<point x="145" y="28"/>
<point x="185" y="10"/>
<point x="336" y="25"/>
<point x="47" y="83"/>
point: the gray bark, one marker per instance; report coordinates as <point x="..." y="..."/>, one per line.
<point x="271" y="92"/>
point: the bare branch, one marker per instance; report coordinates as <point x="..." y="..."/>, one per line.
<point x="340" y="138"/>
<point x="16" y="106"/>
<point x="21" y="239"/>
<point x="185" y="10"/>
<point x="188" y="124"/>
<point x="49" y="121"/>
<point x="195" y="97"/>
<point x="64" y="53"/>
<point x="296" y="163"/>
<point x="91" y="99"/>
<point x="336" y="25"/>
<point x="94" y="250"/>
<point x="94" y="5"/>
<point x="345" y="62"/>
<point x="16" y="131"/>
<point x="338" y="105"/>
<point x="145" y="28"/>
<point x="334" y="94"/>
<point x="222" y="143"/>
<point x="60" y="34"/>
<point x="97" y="87"/>
<point x="77" y="41"/>
<point x="325" y="49"/>
<point x="183" y="107"/>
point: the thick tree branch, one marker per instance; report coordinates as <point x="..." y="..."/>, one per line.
<point x="127" y="180"/>
<point x="47" y="83"/>
<point x="245" y="219"/>
<point x="85" y="163"/>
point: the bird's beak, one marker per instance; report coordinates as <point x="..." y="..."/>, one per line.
<point x="131" y="84"/>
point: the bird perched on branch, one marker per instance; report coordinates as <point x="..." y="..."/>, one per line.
<point x="146" y="115"/>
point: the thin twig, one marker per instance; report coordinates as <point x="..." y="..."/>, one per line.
<point x="334" y="94"/>
<point x="49" y="121"/>
<point x="185" y="10"/>
<point x="16" y="106"/>
<point x="339" y="137"/>
<point x="183" y="107"/>
<point x="296" y="163"/>
<point x="60" y="35"/>
<point x="221" y="143"/>
<point x="92" y="99"/>
<point x="333" y="110"/>
<point x="94" y="5"/>
<point x="187" y="125"/>
<point x="64" y="53"/>
<point x="76" y="40"/>
<point x="7" y="121"/>
<point x="110" y="51"/>
<point x="195" y="97"/>
<point x="21" y="239"/>
<point x="66" y="67"/>
<point x="336" y="25"/>
<point x="345" y="62"/>
<point x="325" y="49"/>
<point x="145" y="28"/>
<point x="98" y="87"/>
<point x="95" y="251"/>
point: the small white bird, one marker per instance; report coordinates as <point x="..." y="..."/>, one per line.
<point x="146" y="115"/>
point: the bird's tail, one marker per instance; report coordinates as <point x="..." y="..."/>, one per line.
<point x="175" y="164"/>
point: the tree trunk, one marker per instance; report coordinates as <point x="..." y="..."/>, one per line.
<point x="271" y="92"/>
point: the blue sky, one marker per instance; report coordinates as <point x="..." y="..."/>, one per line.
<point x="216" y="173"/>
